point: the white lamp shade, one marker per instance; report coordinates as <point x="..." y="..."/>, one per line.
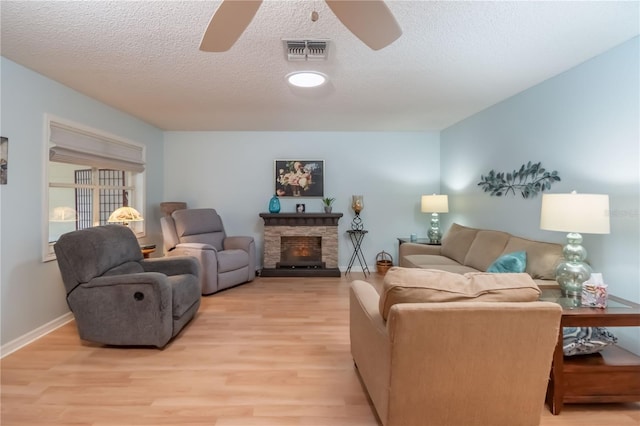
<point x="581" y="213"/>
<point x="435" y="204"/>
<point x="63" y="214"/>
<point x="125" y="215"/>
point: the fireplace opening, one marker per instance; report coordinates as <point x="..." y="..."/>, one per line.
<point x="300" y="252"/>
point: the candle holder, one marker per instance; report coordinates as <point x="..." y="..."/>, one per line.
<point x="357" y="205"/>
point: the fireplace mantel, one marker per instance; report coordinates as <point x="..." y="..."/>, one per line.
<point x="301" y="219"/>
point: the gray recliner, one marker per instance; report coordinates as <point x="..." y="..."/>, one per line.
<point x="119" y="298"/>
<point x="225" y="261"/>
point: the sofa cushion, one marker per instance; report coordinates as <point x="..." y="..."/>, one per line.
<point x="411" y="285"/>
<point x="485" y="248"/>
<point x="456" y="242"/>
<point x="426" y="260"/>
<point x="542" y="258"/>
<point x="434" y="261"/>
<point x="510" y="262"/>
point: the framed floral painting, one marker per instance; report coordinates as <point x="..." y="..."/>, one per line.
<point x="299" y="178"/>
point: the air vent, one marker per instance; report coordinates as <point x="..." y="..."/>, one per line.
<point x="306" y="50"/>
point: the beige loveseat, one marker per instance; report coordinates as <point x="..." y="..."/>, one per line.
<point x="442" y="349"/>
<point x="467" y="249"/>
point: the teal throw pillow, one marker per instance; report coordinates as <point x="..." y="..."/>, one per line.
<point x="586" y="340"/>
<point x="510" y="262"/>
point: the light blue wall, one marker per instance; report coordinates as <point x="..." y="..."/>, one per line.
<point x="583" y="123"/>
<point x="232" y="172"/>
<point x="32" y="293"/>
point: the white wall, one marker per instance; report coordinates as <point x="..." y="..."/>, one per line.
<point x="233" y="172"/>
<point x="32" y="293"/>
<point x="583" y="123"/>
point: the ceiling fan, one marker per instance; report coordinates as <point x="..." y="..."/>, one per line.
<point x="369" y="20"/>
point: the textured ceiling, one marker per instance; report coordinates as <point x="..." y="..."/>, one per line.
<point x="453" y="59"/>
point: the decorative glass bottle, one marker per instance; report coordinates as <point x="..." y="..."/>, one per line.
<point x="274" y="204"/>
<point x="357" y="204"/>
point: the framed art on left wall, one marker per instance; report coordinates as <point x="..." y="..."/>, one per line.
<point x="299" y="178"/>
<point x="4" y="159"/>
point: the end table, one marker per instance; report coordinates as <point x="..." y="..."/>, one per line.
<point x="612" y="375"/>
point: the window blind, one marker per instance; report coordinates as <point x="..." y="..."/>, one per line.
<point x="76" y="146"/>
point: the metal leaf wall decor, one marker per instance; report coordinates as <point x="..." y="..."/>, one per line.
<point x="529" y="180"/>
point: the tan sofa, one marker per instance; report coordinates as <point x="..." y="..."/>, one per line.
<point x="467" y="249"/>
<point x="481" y="359"/>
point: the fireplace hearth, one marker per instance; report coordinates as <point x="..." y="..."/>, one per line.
<point x="300" y="244"/>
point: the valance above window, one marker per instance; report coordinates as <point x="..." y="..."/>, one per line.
<point x="76" y="146"/>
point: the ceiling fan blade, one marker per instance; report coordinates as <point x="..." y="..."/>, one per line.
<point x="227" y="24"/>
<point x="369" y="20"/>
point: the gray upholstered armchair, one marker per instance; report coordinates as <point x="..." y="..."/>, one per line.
<point x="226" y="261"/>
<point x="119" y="298"/>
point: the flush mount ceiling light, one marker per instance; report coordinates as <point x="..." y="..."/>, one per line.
<point x="306" y="79"/>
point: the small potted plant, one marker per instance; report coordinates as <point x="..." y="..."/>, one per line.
<point x="327" y="202"/>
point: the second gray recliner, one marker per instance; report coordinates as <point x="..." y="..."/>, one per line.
<point x="225" y="261"/>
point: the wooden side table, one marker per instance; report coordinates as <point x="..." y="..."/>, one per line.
<point x="612" y="375"/>
<point x="146" y="252"/>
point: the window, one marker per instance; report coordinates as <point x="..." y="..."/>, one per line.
<point x="89" y="175"/>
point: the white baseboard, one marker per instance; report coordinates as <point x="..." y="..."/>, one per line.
<point x="34" y="335"/>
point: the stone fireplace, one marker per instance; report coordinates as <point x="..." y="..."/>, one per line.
<point x="300" y="244"/>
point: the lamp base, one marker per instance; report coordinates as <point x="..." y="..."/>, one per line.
<point x="570" y="276"/>
<point x="434" y="234"/>
<point x="572" y="272"/>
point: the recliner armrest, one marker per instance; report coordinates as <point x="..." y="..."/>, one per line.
<point x="370" y="345"/>
<point x="406" y="249"/>
<point x="200" y="246"/>
<point x="154" y="278"/>
<point x="175" y="265"/>
<point x="368" y="299"/>
<point x="238" y="242"/>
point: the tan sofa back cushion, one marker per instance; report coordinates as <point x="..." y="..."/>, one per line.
<point x="411" y="285"/>
<point x="456" y="242"/>
<point x="542" y="258"/>
<point x="486" y="247"/>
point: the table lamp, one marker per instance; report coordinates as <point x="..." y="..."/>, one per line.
<point x="63" y="214"/>
<point x="125" y="215"/>
<point x="435" y="204"/>
<point x="574" y="213"/>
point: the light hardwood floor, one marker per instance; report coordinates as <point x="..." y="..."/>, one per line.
<point x="271" y="352"/>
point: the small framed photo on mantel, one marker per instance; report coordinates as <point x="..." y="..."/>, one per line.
<point x="299" y="178"/>
<point x="300" y="208"/>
